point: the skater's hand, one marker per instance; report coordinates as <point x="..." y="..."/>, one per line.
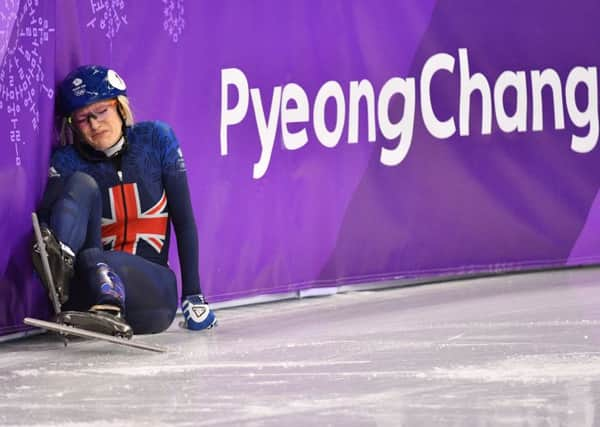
<point x="197" y="313"/>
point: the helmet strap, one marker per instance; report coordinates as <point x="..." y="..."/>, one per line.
<point x="123" y="126"/>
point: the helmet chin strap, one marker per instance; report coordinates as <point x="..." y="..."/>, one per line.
<point x="123" y="140"/>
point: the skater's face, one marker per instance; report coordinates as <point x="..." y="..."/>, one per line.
<point x="99" y="123"/>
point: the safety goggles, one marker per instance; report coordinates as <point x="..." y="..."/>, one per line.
<point x="99" y="112"/>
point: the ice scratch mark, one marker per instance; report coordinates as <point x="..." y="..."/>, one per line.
<point x="455" y="337"/>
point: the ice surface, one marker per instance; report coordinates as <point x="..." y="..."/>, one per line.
<point x="507" y="350"/>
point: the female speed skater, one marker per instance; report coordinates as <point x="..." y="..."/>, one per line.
<point x="114" y="188"/>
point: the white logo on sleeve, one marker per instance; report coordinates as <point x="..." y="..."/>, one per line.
<point x="180" y="161"/>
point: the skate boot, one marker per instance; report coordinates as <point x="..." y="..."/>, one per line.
<point x="61" y="260"/>
<point x="102" y="318"/>
<point x="106" y="316"/>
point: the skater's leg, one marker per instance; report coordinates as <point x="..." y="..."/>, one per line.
<point x="151" y="290"/>
<point x="98" y="296"/>
<point x="97" y="282"/>
<point x="150" y="297"/>
<point x="76" y="215"/>
<point x="74" y="218"/>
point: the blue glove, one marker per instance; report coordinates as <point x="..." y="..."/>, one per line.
<point x="197" y="313"/>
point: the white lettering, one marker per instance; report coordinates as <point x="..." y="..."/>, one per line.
<point x="266" y="129"/>
<point x="518" y="121"/>
<point x="549" y="78"/>
<point x="468" y="85"/>
<point x="330" y="89"/>
<point x="299" y="114"/>
<point x="358" y="90"/>
<point x="439" y="129"/>
<point x="390" y="113"/>
<point x="404" y="126"/>
<point x="588" y="117"/>
<point x="233" y="116"/>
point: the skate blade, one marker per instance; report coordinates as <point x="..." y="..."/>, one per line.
<point x="46" y="267"/>
<point x="71" y="330"/>
<point x="95" y="322"/>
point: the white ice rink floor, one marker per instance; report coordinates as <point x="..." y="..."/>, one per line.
<point x="502" y="351"/>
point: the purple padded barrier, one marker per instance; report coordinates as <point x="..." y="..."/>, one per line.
<point x="27" y="43"/>
<point x="329" y="142"/>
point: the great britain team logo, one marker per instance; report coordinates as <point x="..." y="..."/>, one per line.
<point x="128" y="225"/>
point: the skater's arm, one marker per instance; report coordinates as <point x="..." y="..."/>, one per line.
<point x="180" y="210"/>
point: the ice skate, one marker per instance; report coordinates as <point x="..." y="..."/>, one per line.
<point x="104" y="319"/>
<point x="106" y="316"/>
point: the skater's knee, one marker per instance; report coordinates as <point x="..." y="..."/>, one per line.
<point x="89" y="258"/>
<point x="151" y="321"/>
<point x="83" y="179"/>
<point x="82" y="187"/>
<point x="151" y="315"/>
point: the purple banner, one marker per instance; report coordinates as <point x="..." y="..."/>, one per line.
<point x="27" y="85"/>
<point x="329" y="142"/>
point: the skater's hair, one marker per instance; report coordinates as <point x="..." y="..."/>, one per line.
<point x="124" y="108"/>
